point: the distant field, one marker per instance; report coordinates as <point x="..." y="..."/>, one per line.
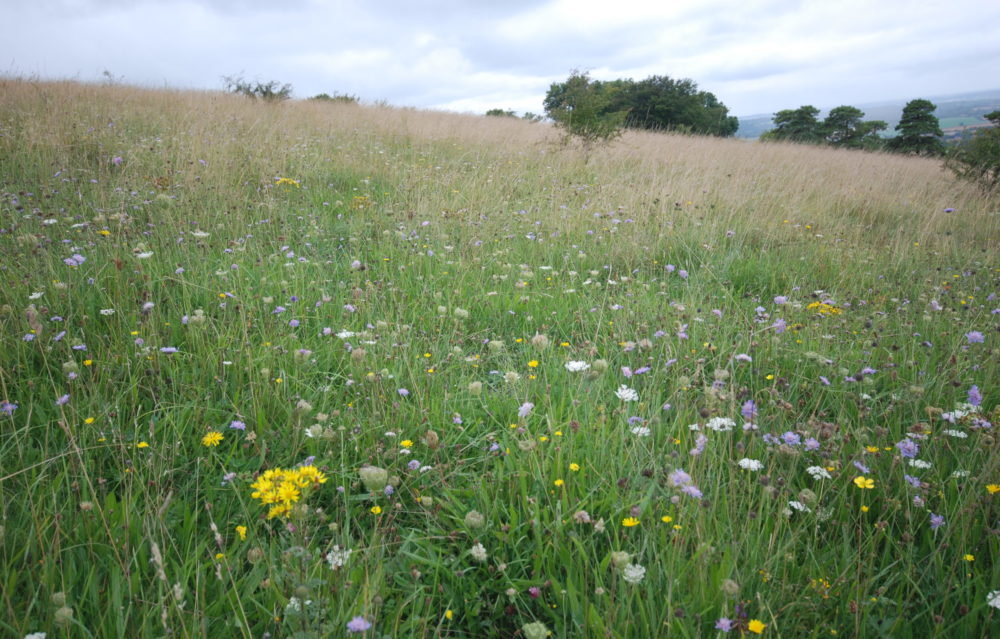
<point x="314" y="370"/>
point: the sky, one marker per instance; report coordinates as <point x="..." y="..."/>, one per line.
<point x="756" y="56"/>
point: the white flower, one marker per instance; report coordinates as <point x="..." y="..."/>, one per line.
<point x="478" y="552"/>
<point x="958" y="474"/>
<point x="919" y="463"/>
<point x="720" y="424"/>
<point x="627" y="394"/>
<point x="338" y="557"/>
<point x="694" y="428"/>
<point x="640" y="431"/>
<point x="750" y="464"/>
<point x="35" y="296"/>
<point x="35" y="635"/>
<point x="107" y="311"/>
<point x="200" y="234"/>
<point x="576" y="366"/>
<point x="951" y="432"/>
<point x="818" y="472"/>
<point x="145" y="255"/>
<point x="633" y="573"/>
<point x="799" y="506"/>
<point x="993" y="599"/>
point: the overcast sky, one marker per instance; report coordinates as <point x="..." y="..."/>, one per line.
<point x="756" y="56"/>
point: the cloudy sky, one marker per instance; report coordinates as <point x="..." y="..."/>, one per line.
<point x="757" y="56"/>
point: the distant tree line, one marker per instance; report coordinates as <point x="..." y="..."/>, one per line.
<point x="918" y="132"/>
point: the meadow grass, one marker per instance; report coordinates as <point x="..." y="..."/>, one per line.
<point x="303" y="369"/>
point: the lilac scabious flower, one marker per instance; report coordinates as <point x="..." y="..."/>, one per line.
<point x="358" y="624"/>
<point x="679" y="477"/>
<point x="908" y="448"/>
<point x="293" y="323"/>
<point x="743" y="357"/>
<point x="413" y="464"/>
<point x="864" y="469"/>
<point x="62" y="400"/>
<point x="692" y="491"/>
<point x="169" y="349"/>
<point x="724" y="624"/>
<point x="936" y="521"/>
<point x="780" y="299"/>
<point x="403" y="392"/>
<point x="749" y="410"/>
<point x="525" y="409"/>
<point x="812" y="444"/>
<point x="975" y="337"/>
<point x="779" y="326"/>
<point x="7" y="408"/>
<point x="237" y="425"/>
<point x="824" y="380"/>
<point x="770" y="439"/>
<point x="913" y="481"/>
<point x="975" y="397"/>
<point x="790" y="438"/>
<point x="683" y="274"/>
<point x="699" y="445"/>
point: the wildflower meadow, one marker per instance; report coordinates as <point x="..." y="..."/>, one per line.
<point x="315" y="369"/>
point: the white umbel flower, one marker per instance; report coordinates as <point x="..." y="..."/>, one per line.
<point x="750" y="464"/>
<point x="627" y="394"/>
<point x="478" y="552"/>
<point x="633" y="573"/>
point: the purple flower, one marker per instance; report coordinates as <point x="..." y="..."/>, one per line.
<point x="936" y="521"/>
<point x="908" y="448"/>
<point x="824" y="380"/>
<point x="975" y="397"/>
<point x="974" y="337"/>
<point x="237" y="424"/>
<point x="525" y="409"/>
<point x="812" y="444"/>
<point x="682" y="334"/>
<point x="743" y="357"/>
<point x="780" y="299"/>
<point x="699" y="444"/>
<point x="779" y="326"/>
<point x="535" y="592"/>
<point x="790" y="438"/>
<point x="669" y="268"/>
<point x="7" y="408"/>
<point x="29" y="337"/>
<point x="679" y="477"/>
<point x="403" y="392"/>
<point x="117" y="160"/>
<point x="683" y="274"/>
<point x="413" y="464"/>
<point x="349" y="308"/>
<point x="692" y="491"/>
<point x="278" y="309"/>
<point x="913" y="481"/>
<point x="717" y="313"/>
<point x="724" y="624"/>
<point x="62" y="400"/>
<point x="388" y="490"/>
<point x="293" y="323"/>
<point x="749" y="410"/>
<point x="358" y="624"/>
<point x="626" y="371"/>
<point x="168" y="349"/>
<point x="864" y="469"/>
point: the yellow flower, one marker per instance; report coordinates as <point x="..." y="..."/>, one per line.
<point x="376" y="510"/>
<point x="288" y="181"/>
<point x="864" y="508"/>
<point x="449" y="615"/>
<point x="406" y="443"/>
<point x="211" y="438"/>
<point x="993" y="488"/>
<point x="756" y="626"/>
<point x="242" y="532"/>
<point x="871" y="449"/>
<point x="89" y="420"/>
<point x="533" y="363"/>
<point x="628" y="522"/>
<point x="141" y="445"/>
<point x="863" y="482"/>
<point x="559" y="482"/>
<point x="666" y="519"/>
<point x="968" y="557"/>
<point x="219" y="556"/>
<point x="104" y="232"/>
<point x="574" y="467"/>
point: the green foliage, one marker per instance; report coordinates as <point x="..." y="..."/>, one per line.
<point x="843" y="127"/>
<point x="977" y="158"/>
<point x="586" y="109"/>
<point x="532" y="117"/>
<point x="509" y="113"/>
<point x="272" y="91"/>
<point x="919" y="131"/>
<point x="345" y="98"/>
<point x="796" y="125"/>
<point x="656" y="103"/>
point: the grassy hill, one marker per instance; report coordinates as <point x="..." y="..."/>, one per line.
<point x="309" y="369"/>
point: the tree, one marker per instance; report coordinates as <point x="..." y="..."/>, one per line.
<point x="272" y="91"/>
<point x="919" y="131"/>
<point x="660" y="102"/>
<point x="344" y="98"/>
<point x="843" y="127"/>
<point x="796" y="125"/>
<point x="977" y="158"/>
<point x="586" y="109"/>
<point x="509" y="113"/>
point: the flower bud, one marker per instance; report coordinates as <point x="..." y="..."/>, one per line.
<point x="374" y="478"/>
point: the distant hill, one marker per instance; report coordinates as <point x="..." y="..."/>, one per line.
<point x="956" y="112"/>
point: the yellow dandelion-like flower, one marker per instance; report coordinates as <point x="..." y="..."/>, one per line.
<point x="212" y="438"/>
<point x="559" y="482"/>
<point x="993" y="488"/>
<point x="756" y="626"/>
<point x="140" y="444"/>
<point x="574" y="467"/>
<point x="376" y="510"/>
<point x="628" y="522"/>
<point x="533" y="363"/>
<point x="406" y="443"/>
<point x="242" y="532"/>
<point x="288" y="181"/>
<point x="279" y="510"/>
<point x="864" y="482"/>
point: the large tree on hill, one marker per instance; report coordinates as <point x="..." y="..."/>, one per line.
<point x="843" y="127"/>
<point x="661" y="102"/>
<point x="586" y="109"/>
<point x="918" y="130"/>
<point x="658" y="102"/>
<point x="796" y="125"/>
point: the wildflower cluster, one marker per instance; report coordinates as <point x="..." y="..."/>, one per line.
<point x="280" y="488"/>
